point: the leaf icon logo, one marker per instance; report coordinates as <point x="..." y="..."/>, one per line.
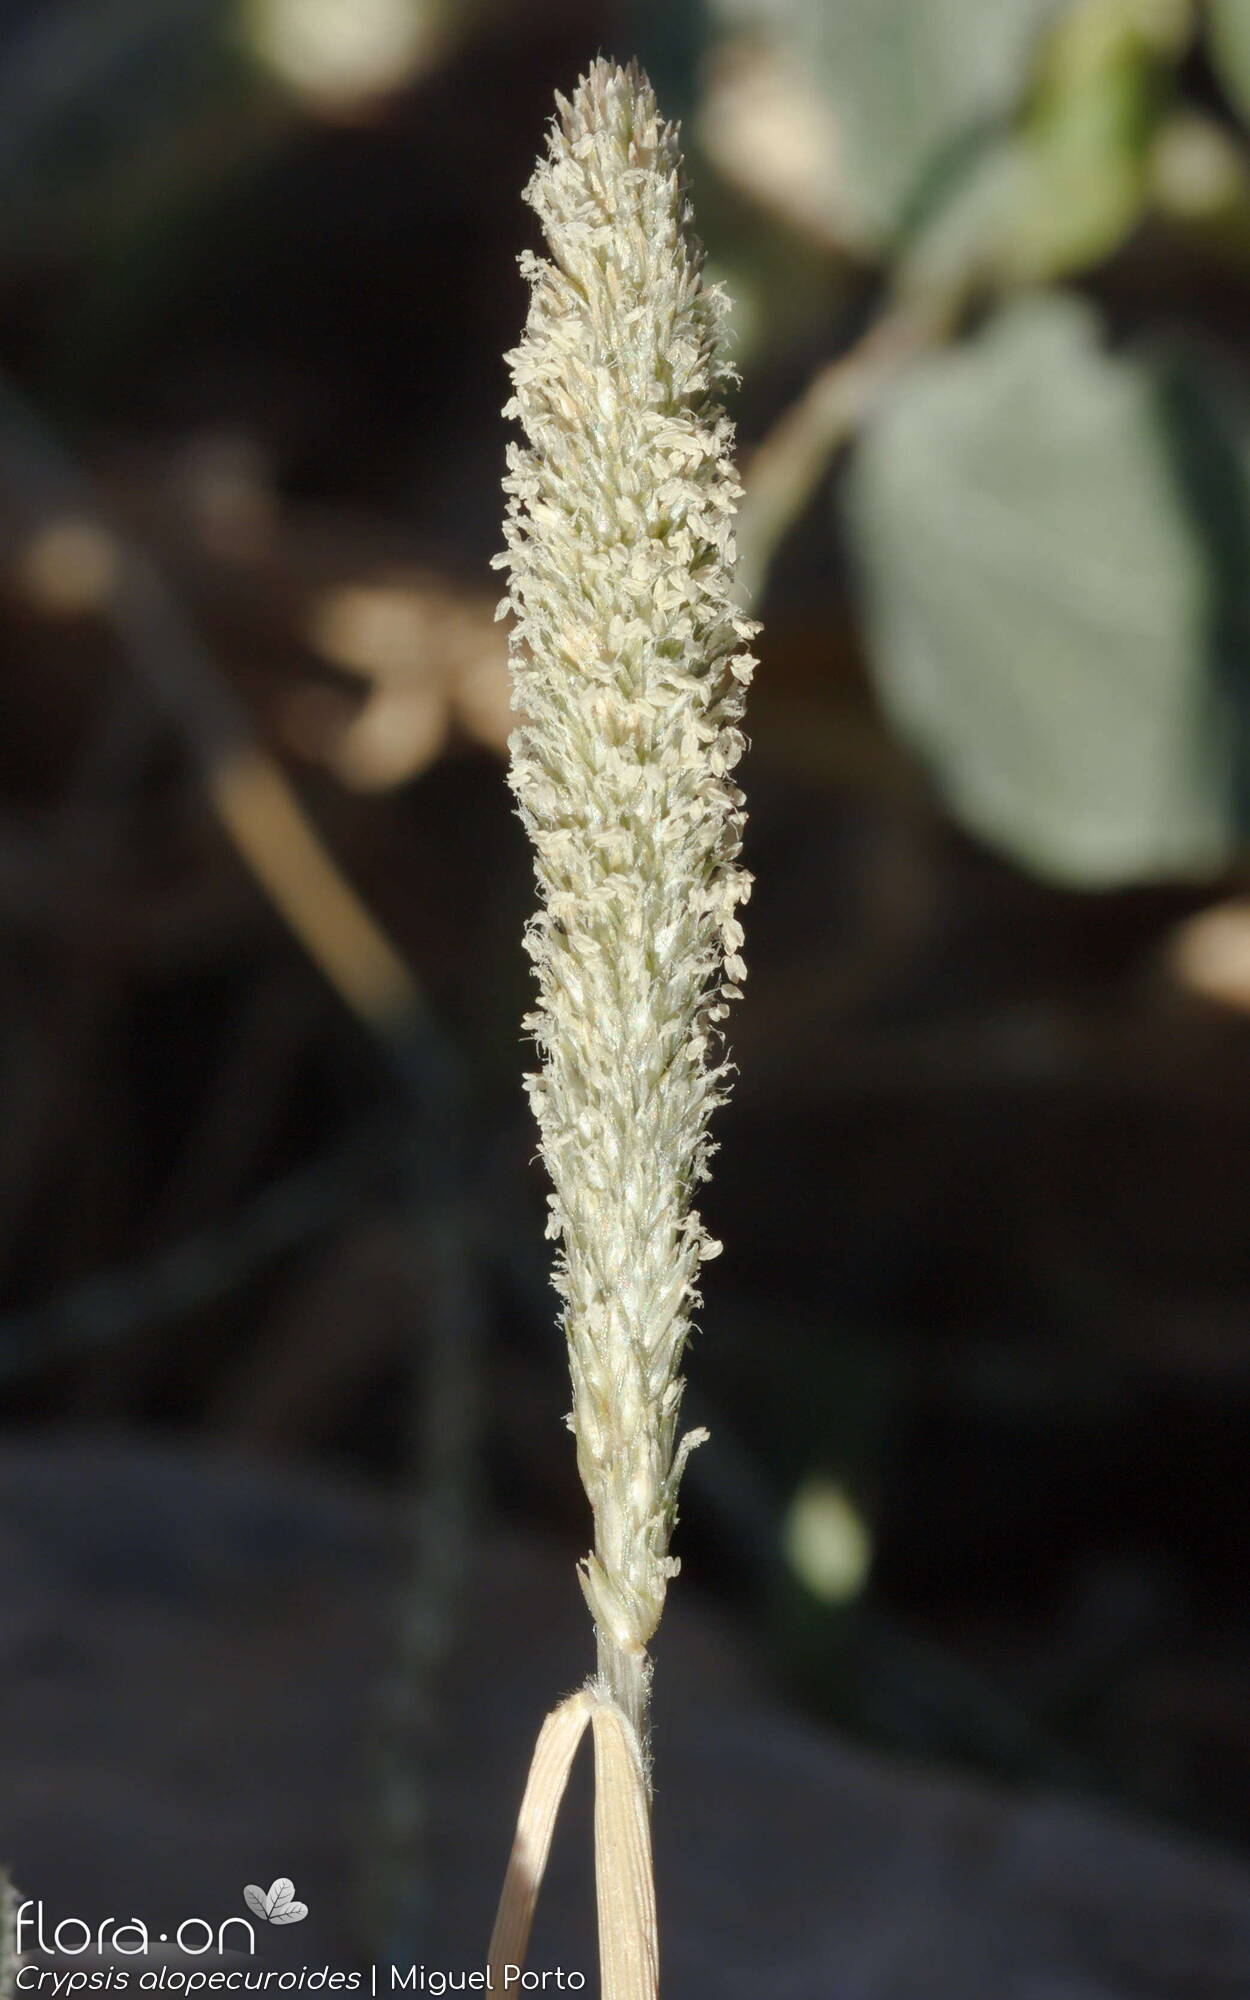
<point x="277" y="1904"/>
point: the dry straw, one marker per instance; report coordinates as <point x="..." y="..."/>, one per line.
<point x="630" y="667"/>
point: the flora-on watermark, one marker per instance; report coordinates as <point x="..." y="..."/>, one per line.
<point x="128" y="1937"/>
<point x="97" y="1953"/>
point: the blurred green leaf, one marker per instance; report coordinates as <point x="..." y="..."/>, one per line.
<point x="1228" y="35"/>
<point x="1054" y="544"/>
<point x="1061" y="188"/>
<point x="1085" y="146"/>
<point x="911" y="86"/>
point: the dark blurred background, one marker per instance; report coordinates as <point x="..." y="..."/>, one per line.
<point x="976" y="1362"/>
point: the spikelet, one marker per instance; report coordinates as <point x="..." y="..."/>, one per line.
<point x="630" y="667"/>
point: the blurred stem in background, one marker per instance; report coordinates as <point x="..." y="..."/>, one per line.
<point x="260" y="814"/>
<point x="788" y="464"/>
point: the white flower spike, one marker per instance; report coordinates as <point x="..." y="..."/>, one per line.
<point x="630" y="668"/>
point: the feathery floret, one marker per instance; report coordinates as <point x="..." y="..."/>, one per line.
<point x="630" y="669"/>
